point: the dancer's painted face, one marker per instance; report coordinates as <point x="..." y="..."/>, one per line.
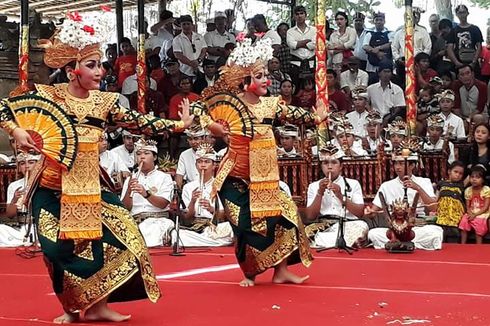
<point x="90" y="73"/>
<point x="260" y="81"/>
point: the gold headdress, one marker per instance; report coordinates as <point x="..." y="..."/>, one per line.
<point x="374" y="117"/>
<point x="146" y="145"/>
<point x="77" y="38"/>
<point x="408" y="150"/>
<point x="398" y="127"/>
<point x="399" y="205"/>
<point x="195" y="130"/>
<point x="288" y="131"/>
<point x="205" y="150"/>
<point x="435" y="120"/>
<point x="329" y="152"/>
<point x="446" y="94"/>
<point x="360" y="91"/>
<point x="245" y="60"/>
<point x="343" y="126"/>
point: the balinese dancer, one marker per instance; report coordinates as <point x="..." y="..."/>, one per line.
<point x="91" y="245"/>
<point x="269" y="232"/>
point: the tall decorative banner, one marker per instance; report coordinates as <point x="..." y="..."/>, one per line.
<point x="141" y="64"/>
<point x="410" y="96"/>
<point x="321" y="71"/>
<point x="24" y="47"/>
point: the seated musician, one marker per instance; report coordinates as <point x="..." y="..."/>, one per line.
<point x="435" y="141"/>
<point x="358" y="117"/>
<point x="395" y="134"/>
<point x="186" y="167"/>
<point x="327" y="199"/>
<point x="345" y="140"/>
<point x="201" y="209"/>
<point x="12" y="235"/>
<point x="289" y="135"/>
<point x="373" y="139"/>
<point x="147" y="195"/>
<point x="427" y="237"/>
<point x="446" y="103"/>
<point x="112" y="163"/>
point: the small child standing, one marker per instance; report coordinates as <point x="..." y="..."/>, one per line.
<point x="477" y="204"/>
<point x="450" y="199"/>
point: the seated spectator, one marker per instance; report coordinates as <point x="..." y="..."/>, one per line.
<point x="208" y="78"/>
<point x="186" y="167"/>
<point x="185" y="91"/>
<point x="154" y="102"/>
<point x="437" y="84"/>
<point x="387" y="98"/>
<point x="373" y="139"/>
<point x="126" y="150"/>
<point x="423" y="72"/>
<point x="479" y="152"/>
<point x="169" y="85"/>
<point x="427" y="104"/>
<point x="450" y="200"/>
<point x="201" y="209"/>
<point x="477" y="197"/>
<point x="286" y="91"/>
<point x="110" y="82"/>
<point x="13" y="235"/>
<point x="336" y="196"/>
<point x="112" y="163"/>
<point x="125" y="65"/>
<point x="435" y="141"/>
<point x="276" y="76"/>
<point x="358" y="117"/>
<point x="306" y="96"/>
<point x="447" y="79"/>
<point x="336" y="98"/>
<point x="147" y="196"/>
<point x="427" y="237"/>
<point x="130" y="85"/>
<point x="288" y="137"/>
<point x="353" y="77"/>
<point x="395" y="132"/>
<point x="471" y="93"/>
<point x="453" y="124"/>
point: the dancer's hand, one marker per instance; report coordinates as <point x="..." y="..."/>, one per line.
<point x="24" y="140"/>
<point x="321" y="111"/>
<point x="185" y="115"/>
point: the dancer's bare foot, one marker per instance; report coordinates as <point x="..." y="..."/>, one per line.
<point x="246" y="282"/>
<point x="67" y="318"/>
<point x="104" y="314"/>
<point x="282" y="275"/>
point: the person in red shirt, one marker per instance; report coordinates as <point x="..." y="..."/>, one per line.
<point x="125" y="65"/>
<point x="423" y="72"/>
<point x="336" y="98"/>
<point x="485" y="59"/>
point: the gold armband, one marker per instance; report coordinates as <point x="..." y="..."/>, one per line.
<point x="317" y="119"/>
<point x="179" y="126"/>
<point x="9" y="126"/>
<point x="205" y="121"/>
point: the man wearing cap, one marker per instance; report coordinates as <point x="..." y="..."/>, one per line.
<point x="386" y="97"/>
<point x="301" y="39"/>
<point x="201" y="209"/>
<point x="361" y="31"/>
<point x="452" y="122"/>
<point x="435" y="142"/>
<point x="377" y="45"/>
<point x="208" y="78"/>
<point x="421" y="39"/>
<point x="217" y="39"/>
<point x="333" y="197"/>
<point x="210" y="25"/>
<point x="427" y="237"/>
<point x="358" y="117"/>
<point x="189" y="47"/>
<point x="353" y="77"/>
<point x="186" y="167"/>
<point x="13" y="236"/>
<point x="147" y="195"/>
<point x="164" y="31"/>
<point x="126" y="150"/>
<point x="288" y="136"/>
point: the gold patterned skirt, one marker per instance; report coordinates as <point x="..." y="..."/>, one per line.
<point x="83" y="272"/>
<point x="262" y="243"/>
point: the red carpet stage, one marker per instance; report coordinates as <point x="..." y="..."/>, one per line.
<point x="371" y="287"/>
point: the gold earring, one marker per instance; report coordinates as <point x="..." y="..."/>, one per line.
<point x="70" y="76"/>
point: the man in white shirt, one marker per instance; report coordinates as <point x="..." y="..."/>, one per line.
<point x="201" y="209"/>
<point x="126" y="150"/>
<point x="147" y="195"/>
<point x="453" y="125"/>
<point x="112" y="163"/>
<point x="435" y="127"/>
<point x="353" y="77"/>
<point x="386" y="98"/>
<point x="164" y="32"/>
<point x="361" y="34"/>
<point x="186" y="167"/>
<point x="217" y="39"/>
<point x="333" y="197"/>
<point x="301" y="39"/>
<point x="345" y="140"/>
<point x="358" y="117"/>
<point x="373" y="139"/>
<point x="189" y="47"/>
<point x="288" y="136"/>
<point x="130" y="85"/>
<point x="427" y="237"/>
<point x="261" y="27"/>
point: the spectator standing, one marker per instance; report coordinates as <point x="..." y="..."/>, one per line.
<point x="164" y="32"/>
<point x="125" y="65"/>
<point x="341" y="42"/>
<point x="284" y="53"/>
<point x="361" y="34"/>
<point x="377" y="44"/>
<point x="189" y="47"/>
<point x="301" y="40"/>
<point x="217" y="39"/>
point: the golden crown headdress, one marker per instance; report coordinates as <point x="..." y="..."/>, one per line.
<point x="398" y="127"/>
<point x="205" y="150"/>
<point x="146" y="145"/>
<point x="360" y="91"/>
<point x="374" y="117"/>
<point x="329" y="152"/>
<point x="399" y="204"/>
<point x="435" y="120"/>
<point x="407" y="150"/>
<point x="446" y="94"/>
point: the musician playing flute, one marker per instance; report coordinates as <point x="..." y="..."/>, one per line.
<point x="327" y="199"/>
<point x="147" y="195"/>
<point x="13" y="235"/>
<point x="427" y="237"/>
<point x="202" y="209"/>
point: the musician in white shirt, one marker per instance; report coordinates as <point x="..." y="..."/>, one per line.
<point x="201" y="209"/>
<point x="147" y="195"/>
<point x="434" y="141"/>
<point x="427" y="237"/>
<point x="358" y="117"/>
<point x="186" y="166"/>
<point x="336" y="197"/>
<point x="289" y="134"/>
<point x="111" y="162"/>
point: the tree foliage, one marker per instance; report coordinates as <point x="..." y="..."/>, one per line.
<point x="485" y="4"/>
<point x="367" y="7"/>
